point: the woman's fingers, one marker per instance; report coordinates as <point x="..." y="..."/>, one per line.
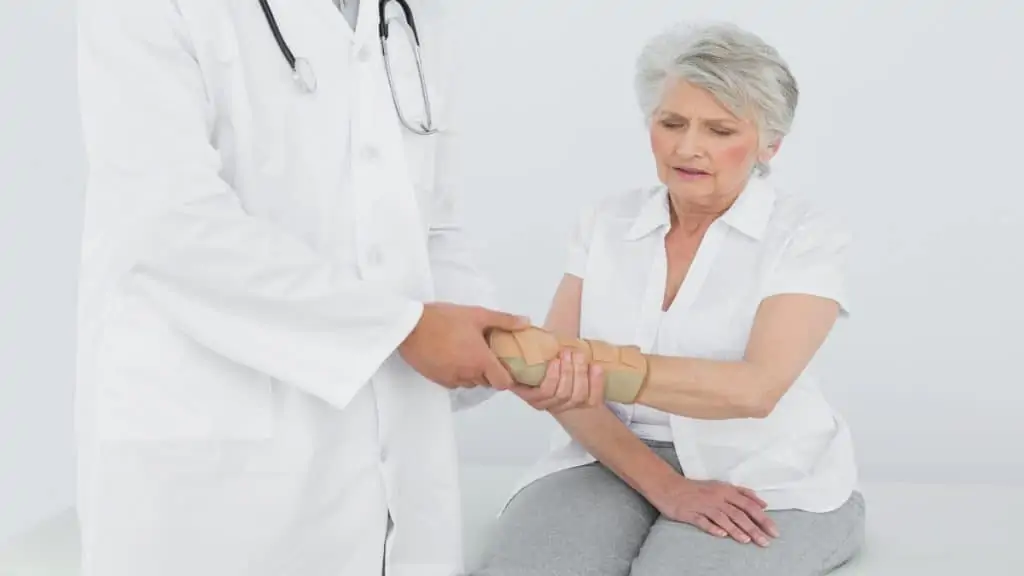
<point x="570" y="382"/>
<point x="564" y="393"/>
<point x="541" y="397"/>
<point x="566" y="378"/>
<point x="549" y="385"/>
<point x="752" y="495"/>
<point x="555" y="391"/>
<point x="559" y="384"/>
<point x="580" y="381"/>
<point x="702" y="522"/>
<point x="719" y="517"/>
<point x="596" y="385"/>
<point x="755" y="512"/>
<point x="741" y="519"/>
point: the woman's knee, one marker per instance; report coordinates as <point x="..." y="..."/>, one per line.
<point x="846" y="548"/>
<point x="579" y="521"/>
<point x="809" y="544"/>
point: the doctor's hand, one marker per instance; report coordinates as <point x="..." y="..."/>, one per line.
<point x="449" y="345"/>
<point x="568" y="384"/>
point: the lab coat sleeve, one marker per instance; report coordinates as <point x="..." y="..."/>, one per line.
<point x="453" y="253"/>
<point x="236" y="284"/>
<point x="458" y="276"/>
<point x="458" y="279"/>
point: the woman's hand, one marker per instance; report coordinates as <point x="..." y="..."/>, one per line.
<point x="568" y="384"/>
<point x="719" y="509"/>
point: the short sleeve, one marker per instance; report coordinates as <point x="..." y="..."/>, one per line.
<point x="813" y="261"/>
<point x="579" y="242"/>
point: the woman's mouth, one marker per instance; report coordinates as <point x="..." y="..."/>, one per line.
<point x="690" y="173"/>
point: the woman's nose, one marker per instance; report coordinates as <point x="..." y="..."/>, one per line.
<point x="688" y="145"/>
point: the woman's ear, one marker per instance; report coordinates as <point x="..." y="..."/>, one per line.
<point x="769" y="152"/>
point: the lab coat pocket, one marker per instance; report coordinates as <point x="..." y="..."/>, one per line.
<point x="420" y="155"/>
<point x="157" y="384"/>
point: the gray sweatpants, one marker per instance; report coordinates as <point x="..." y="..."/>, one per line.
<point x="586" y="521"/>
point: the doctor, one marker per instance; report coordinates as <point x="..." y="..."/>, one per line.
<point x="266" y="370"/>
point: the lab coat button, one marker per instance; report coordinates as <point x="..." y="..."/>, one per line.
<point x="370" y="153"/>
<point x="375" y="257"/>
<point x="363" y="55"/>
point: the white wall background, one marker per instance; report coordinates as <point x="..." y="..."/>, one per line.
<point x="909" y="127"/>
<point x="41" y="172"/>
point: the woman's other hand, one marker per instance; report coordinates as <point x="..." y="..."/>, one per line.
<point x="719" y="509"/>
<point x="570" y="382"/>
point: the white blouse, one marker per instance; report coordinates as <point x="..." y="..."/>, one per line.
<point x="769" y="242"/>
<point x="646" y="422"/>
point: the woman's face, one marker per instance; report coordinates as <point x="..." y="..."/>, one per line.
<point x="704" y="153"/>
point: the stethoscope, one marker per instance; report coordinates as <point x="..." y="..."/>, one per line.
<point x="302" y="71"/>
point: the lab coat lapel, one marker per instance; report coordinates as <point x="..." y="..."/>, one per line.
<point x="381" y="177"/>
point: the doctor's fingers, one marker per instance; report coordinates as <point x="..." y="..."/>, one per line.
<point x="494" y="372"/>
<point x="487" y="319"/>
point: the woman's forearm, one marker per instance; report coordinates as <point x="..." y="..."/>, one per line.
<point x="787" y="332"/>
<point x="693" y="387"/>
<point x="707" y="389"/>
<point x="609" y="440"/>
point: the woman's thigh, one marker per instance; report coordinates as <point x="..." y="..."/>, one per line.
<point x="809" y="544"/>
<point x="581" y="521"/>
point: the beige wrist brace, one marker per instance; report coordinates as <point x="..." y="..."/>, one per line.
<point x="526" y="354"/>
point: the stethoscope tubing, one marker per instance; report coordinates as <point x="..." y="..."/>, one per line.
<point x="302" y="71"/>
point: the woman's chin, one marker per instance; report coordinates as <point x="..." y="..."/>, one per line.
<point x="692" y="190"/>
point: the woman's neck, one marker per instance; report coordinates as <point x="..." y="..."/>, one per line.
<point x="693" y="219"/>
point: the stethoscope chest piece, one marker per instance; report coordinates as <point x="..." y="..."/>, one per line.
<point x="304" y="76"/>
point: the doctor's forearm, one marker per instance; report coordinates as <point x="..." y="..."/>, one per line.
<point x="707" y="389"/>
<point x="609" y="440"/>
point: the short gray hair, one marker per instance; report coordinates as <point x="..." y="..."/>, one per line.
<point x="737" y="67"/>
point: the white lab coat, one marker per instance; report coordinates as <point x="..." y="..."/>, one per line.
<point x="252" y="256"/>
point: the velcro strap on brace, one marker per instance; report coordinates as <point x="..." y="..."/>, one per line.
<point x="527" y="353"/>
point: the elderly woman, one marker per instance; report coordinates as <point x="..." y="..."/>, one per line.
<point x="730" y="461"/>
